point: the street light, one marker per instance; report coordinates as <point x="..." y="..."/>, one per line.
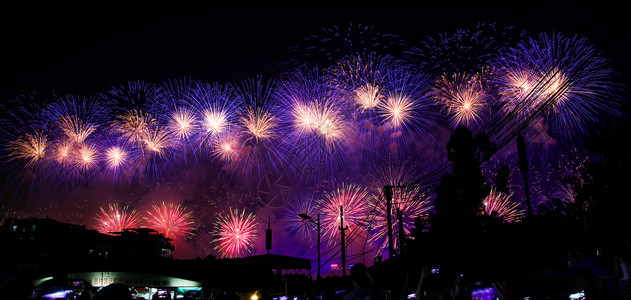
<point x="308" y="218"/>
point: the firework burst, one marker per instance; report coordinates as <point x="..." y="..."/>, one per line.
<point x="569" y="82"/>
<point x="499" y="205"/>
<point x="465" y="50"/>
<point x="306" y="205"/>
<point x="333" y="44"/>
<point x="464" y="98"/>
<point x="172" y="220"/>
<point x="235" y="233"/>
<point x="356" y="206"/>
<point x="182" y="124"/>
<point x="407" y="200"/>
<point x="117" y="219"/>
<point x="30" y="147"/>
<point x="133" y="126"/>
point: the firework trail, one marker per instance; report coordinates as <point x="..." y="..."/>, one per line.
<point x="319" y="132"/>
<point x="260" y="135"/>
<point x="116" y="219"/>
<point x="463" y="51"/>
<point x="410" y="201"/>
<point x="30" y="147"/>
<point x="464" y="99"/>
<point x="172" y="220"/>
<point x="235" y="233"/>
<point x="569" y="84"/>
<point x="333" y="44"/>
<point x="216" y="108"/>
<point x="294" y="223"/>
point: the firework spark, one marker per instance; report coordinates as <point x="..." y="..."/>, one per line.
<point x="356" y="206"/>
<point x="115" y="157"/>
<point x="259" y="124"/>
<point x="172" y="220"/>
<point x="235" y="233"/>
<point x="499" y="205"/>
<point x="464" y="98"/>
<point x="182" y="124"/>
<point x="30" y="147"/>
<point x="133" y="126"/>
<point x="117" y="219"/>
<point x="306" y="205"/>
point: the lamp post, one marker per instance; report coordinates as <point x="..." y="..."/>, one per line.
<point x="308" y="218"/>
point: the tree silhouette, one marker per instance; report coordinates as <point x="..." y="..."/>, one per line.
<point x="460" y="192"/>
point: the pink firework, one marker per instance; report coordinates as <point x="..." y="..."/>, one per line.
<point x="408" y="200"/>
<point x="235" y="233"/>
<point x="499" y="204"/>
<point x="172" y="220"/>
<point x="409" y="203"/>
<point x="116" y="219"/>
<point x="356" y="207"/>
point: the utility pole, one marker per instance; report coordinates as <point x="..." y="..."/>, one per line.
<point x="318" y="278"/>
<point x="523" y="168"/>
<point x="268" y="236"/>
<point x="342" y="228"/>
<point x="401" y="232"/>
<point x="387" y="191"/>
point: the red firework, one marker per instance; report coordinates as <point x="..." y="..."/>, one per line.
<point x="116" y="219"/>
<point x="235" y="233"/>
<point x="172" y="220"/>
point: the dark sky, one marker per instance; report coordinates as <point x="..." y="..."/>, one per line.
<point x="84" y="49"/>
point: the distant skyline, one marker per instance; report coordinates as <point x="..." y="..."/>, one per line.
<point x="82" y="51"/>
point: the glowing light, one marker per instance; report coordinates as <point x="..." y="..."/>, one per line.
<point x="397" y="109"/>
<point x="463" y="97"/>
<point x="215" y="121"/>
<point x="115" y="157"/>
<point x="87" y="157"/>
<point x="305" y="118"/>
<point x="368" y="96"/>
<point x="61" y="152"/>
<point x="183" y="123"/>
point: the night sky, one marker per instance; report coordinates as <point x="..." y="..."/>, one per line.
<point x="82" y="49"/>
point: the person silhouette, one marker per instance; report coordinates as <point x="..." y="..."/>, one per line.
<point x="363" y="284"/>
